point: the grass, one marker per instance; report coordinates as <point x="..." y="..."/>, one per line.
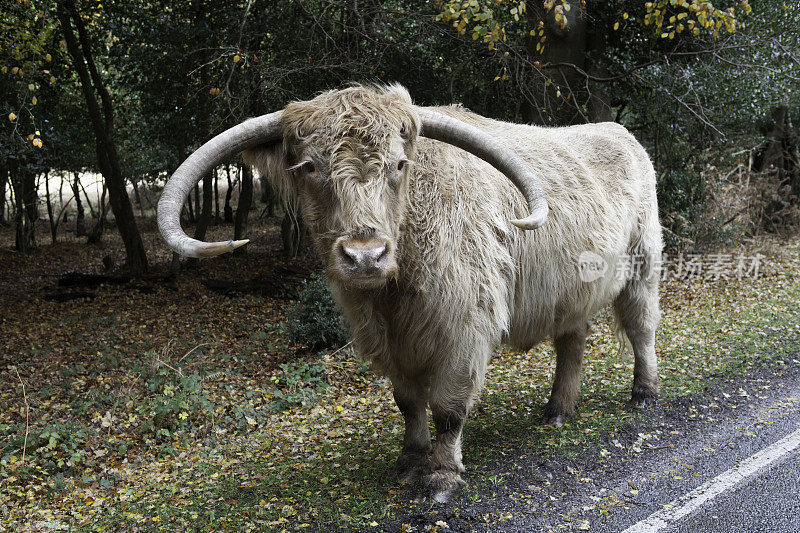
<point x="348" y="481"/>
<point x="252" y="464"/>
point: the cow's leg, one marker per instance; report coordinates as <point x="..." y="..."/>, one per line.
<point x="411" y="397"/>
<point x="637" y="311"/>
<point x="451" y="396"/>
<point x="567" y="380"/>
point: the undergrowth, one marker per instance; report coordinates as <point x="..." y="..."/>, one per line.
<point x="198" y="434"/>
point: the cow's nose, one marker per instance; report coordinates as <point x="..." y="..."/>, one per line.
<point x="364" y="255"/>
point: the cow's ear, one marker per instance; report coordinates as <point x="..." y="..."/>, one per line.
<point x="272" y="163"/>
<point x="400" y="106"/>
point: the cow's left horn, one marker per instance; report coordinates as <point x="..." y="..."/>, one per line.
<point x="260" y="130"/>
<point x="467" y="137"/>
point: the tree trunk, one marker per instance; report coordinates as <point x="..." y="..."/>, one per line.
<point x="80" y="221"/>
<point x="30" y="196"/>
<point x="21" y="243"/>
<point x="86" y="195"/>
<point x="137" y="195"/>
<point x="197" y="213"/>
<point x="190" y="209"/>
<point x="103" y="126"/>
<point x="12" y="193"/>
<point x="61" y="191"/>
<point x="205" y="215"/>
<point x="96" y="233"/>
<point x="778" y="158"/>
<point x="174" y="266"/>
<point x="267" y="195"/>
<point x="50" y="216"/>
<point x="599" y="105"/>
<point x="228" y="213"/>
<point x="780" y="150"/>
<point x="243" y="209"/>
<point x="3" y="181"/>
<point x="216" y="197"/>
<point x="24" y="240"/>
<point x="557" y="97"/>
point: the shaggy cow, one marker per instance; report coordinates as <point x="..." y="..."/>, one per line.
<point x="412" y="209"/>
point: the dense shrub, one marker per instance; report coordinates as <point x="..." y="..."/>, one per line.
<point x="681" y="199"/>
<point x="314" y="320"/>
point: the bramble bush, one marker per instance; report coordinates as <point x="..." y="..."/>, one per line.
<point x="298" y="384"/>
<point x="177" y="400"/>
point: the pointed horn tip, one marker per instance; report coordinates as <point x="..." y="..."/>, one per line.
<point x="213" y="249"/>
<point x="535" y="220"/>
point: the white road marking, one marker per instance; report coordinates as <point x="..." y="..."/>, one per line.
<point x="724" y="482"/>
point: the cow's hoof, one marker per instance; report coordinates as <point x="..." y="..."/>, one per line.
<point x="411" y="466"/>
<point x="642" y="398"/>
<point x="554" y="417"/>
<point x="442" y="485"/>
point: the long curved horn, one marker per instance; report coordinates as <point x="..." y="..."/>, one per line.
<point x="259" y="130"/>
<point x="467" y="137"/>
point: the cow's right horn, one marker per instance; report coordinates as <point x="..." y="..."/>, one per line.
<point x="437" y="126"/>
<point x="250" y="133"/>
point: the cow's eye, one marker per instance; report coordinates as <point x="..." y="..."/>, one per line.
<point x="309" y="167"/>
<point x="401" y="165"/>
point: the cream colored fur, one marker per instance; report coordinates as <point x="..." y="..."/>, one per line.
<point x="467" y="279"/>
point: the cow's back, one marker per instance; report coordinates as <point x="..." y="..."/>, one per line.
<point x="468" y="267"/>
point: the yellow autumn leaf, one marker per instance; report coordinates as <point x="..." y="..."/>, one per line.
<point x="37" y="142"/>
<point x="616" y="25"/>
<point x="12" y="117"/>
<point x="48" y="58"/>
<point x="34" y="100"/>
<point x="237" y="58"/>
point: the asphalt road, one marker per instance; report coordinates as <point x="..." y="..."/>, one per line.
<point x="693" y="441"/>
<point x="767" y="502"/>
<point x="732" y="424"/>
<point x="765" y="499"/>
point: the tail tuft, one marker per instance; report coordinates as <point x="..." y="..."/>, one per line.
<point x="625" y="346"/>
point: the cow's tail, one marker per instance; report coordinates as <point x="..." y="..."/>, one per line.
<point x="624" y="343"/>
